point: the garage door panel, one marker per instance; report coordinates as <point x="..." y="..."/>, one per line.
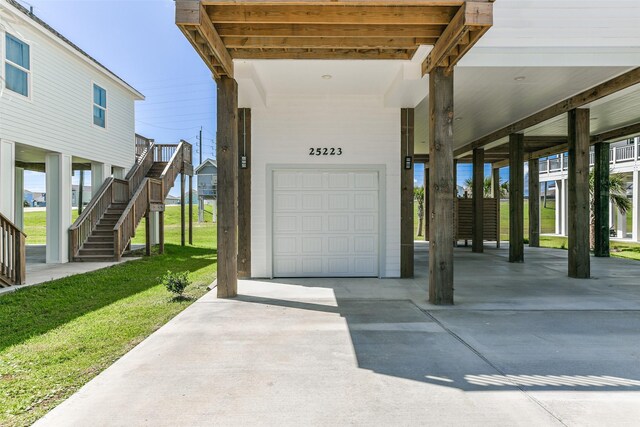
<point x="325" y="224"/>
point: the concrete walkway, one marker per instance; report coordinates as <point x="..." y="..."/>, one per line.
<point x="523" y="346"/>
<point x="39" y="272"/>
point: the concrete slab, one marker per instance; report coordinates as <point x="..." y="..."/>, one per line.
<point x="523" y="347"/>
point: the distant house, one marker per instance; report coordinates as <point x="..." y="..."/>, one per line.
<point x="86" y="195"/>
<point x="39" y="200"/>
<point x="207" y="174"/>
<point x="172" y="200"/>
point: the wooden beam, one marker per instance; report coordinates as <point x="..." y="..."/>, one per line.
<point x="516" y="198"/>
<point x="497" y="194"/>
<point x="244" y="193"/>
<point x="327" y="42"/>
<point x="470" y="23"/>
<point x="227" y="157"/>
<point x="190" y="199"/>
<point x="578" y="182"/>
<point x="182" y="214"/>
<point x="478" y="201"/>
<point x="534" y="203"/>
<point x="601" y="200"/>
<point x="390" y="3"/>
<point x="331" y="14"/>
<point x="617" y="134"/>
<point x="441" y="187"/>
<point x="322" y="54"/>
<point x="195" y="24"/>
<point x="407" y="229"/>
<point x="624" y="81"/>
<point x="318" y="30"/>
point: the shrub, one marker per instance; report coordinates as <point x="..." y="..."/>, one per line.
<point x="176" y="282"/>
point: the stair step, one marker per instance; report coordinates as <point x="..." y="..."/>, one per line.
<point x="108" y="244"/>
<point x="95" y="258"/>
<point x="101" y="252"/>
<point x="104" y="232"/>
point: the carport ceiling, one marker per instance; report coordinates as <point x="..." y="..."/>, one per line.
<point x="224" y="30"/>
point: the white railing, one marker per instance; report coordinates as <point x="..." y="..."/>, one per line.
<point x="559" y="163"/>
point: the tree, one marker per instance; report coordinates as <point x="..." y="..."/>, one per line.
<point x="486" y="186"/>
<point x="617" y="196"/>
<point x="418" y="196"/>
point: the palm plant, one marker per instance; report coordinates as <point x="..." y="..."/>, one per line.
<point x="617" y="196"/>
<point x="418" y="196"/>
<point x="486" y="186"/>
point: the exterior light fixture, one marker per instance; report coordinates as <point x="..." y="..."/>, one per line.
<point x="408" y="162"/>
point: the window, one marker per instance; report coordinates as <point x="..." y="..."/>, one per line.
<point x="17" y="65"/>
<point x="99" y="106"/>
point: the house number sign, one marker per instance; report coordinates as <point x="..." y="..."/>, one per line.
<point x="327" y="151"/>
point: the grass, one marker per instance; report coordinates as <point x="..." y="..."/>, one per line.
<point x="57" y="336"/>
<point x="547" y="226"/>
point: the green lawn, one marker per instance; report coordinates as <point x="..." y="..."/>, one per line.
<point x="547" y="225"/>
<point x="57" y="336"/>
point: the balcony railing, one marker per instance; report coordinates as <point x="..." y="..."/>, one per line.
<point x="617" y="155"/>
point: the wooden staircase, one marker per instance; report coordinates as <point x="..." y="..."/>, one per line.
<point x="104" y="230"/>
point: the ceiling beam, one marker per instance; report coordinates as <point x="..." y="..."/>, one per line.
<point x="322" y="54"/>
<point x="343" y="2"/>
<point x="467" y="27"/>
<point x="330" y="14"/>
<point x="326" y="42"/>
<point x="624" y="81"/>
<point x="194" y="23"/>
<point x="616" y="134"/>
<point x="333" y="30"/>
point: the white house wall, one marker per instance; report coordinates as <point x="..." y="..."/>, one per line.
<point x="58" y="116"/>
<point x="282" y="134"/>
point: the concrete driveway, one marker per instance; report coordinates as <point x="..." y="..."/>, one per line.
<point x="523" y="346"/>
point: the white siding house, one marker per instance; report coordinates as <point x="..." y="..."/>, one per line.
<point x="60" y="110"/>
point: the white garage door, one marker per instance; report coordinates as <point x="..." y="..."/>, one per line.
<point x="325" y="223"/>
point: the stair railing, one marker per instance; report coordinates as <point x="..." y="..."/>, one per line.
<point x="150" y="190"/>
<point x="13" y="260"/>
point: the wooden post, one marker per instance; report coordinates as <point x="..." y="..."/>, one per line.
<point x="244" y="193"/>
<point x="80" y="192"/>
<point x="497" y="193"/>
<point x="161" y="227"/>
<point x="227" y="156"/>
<point x="182" y="219"/>
<point x="427" y="216"/>
<point x="534" y="203"/>
<point x="578" y="182"/>
<point x="455" y="203"/>
<point x="147" y="232"/>
<point x="407" y="230"/>
<point x="441" y="187"/>
<point x="601" y="200"/>
<point x="478" y="200"/>
<point x="190" y="199"/>
<point x="516" y="197"/>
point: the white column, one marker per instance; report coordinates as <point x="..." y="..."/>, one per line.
<point x="154" y="223"/>
<point x="118" y="172"/>
<point x="636" y="206"/>
<point x="58" y="170"/>
<point x="622" y="225"/>
<point x="7" y="177"/>
<point x="558" y="207"/>
<point x="19" y="198"/>
<point x="99" y="173"/>
<point x="612" y="215"/>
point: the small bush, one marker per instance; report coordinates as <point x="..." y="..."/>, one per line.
<point x="176" y="282"/>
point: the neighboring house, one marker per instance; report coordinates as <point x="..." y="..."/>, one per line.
<point x="624" y="160"/>
<point x="172" y="200"/>
<point x="61" y="111"/>
<point x="207" y="173"/>
<point x="39" y="199"/>
<point x="27" y="197"/>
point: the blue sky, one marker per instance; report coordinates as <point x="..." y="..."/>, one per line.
<point x="138" y="40"/>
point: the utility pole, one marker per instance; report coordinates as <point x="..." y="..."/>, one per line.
<point x="200" y="139"/>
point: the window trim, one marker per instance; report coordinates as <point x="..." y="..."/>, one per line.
<point x="5" y="61"/>
<point x="94" y="105"/>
